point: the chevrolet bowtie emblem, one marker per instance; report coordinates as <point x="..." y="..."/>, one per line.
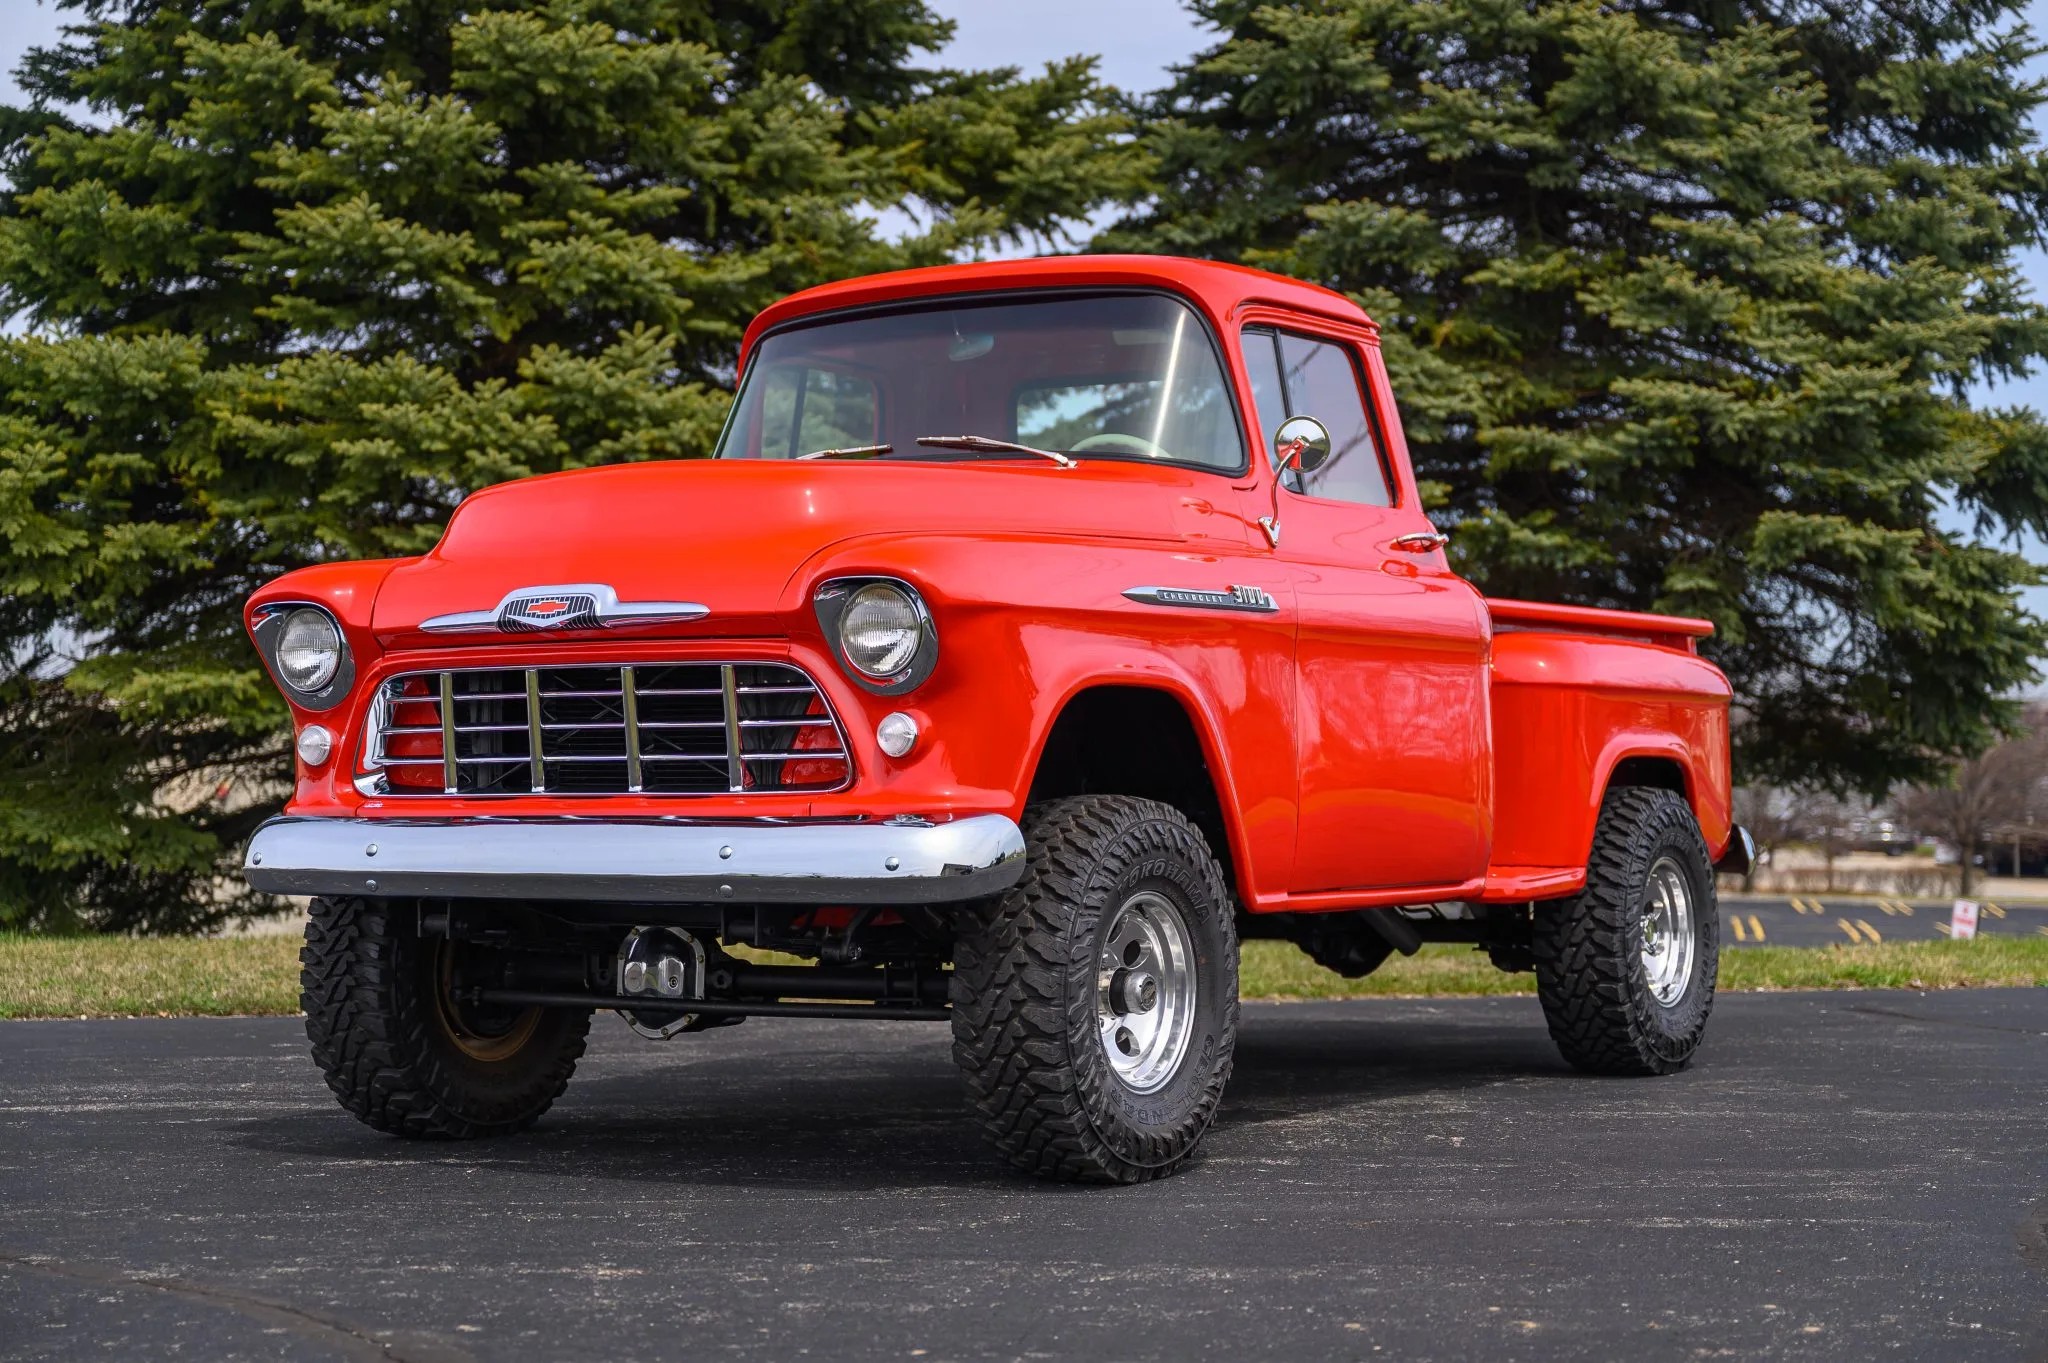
<point x="589" y="605"/>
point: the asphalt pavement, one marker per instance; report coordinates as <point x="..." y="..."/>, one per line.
<point x="1834" y="920"/>
<point x="1839" y="1176"/>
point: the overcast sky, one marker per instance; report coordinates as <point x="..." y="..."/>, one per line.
<point x="1138" y="41"/>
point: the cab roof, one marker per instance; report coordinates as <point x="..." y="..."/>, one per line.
<point x="1217" y="288"/>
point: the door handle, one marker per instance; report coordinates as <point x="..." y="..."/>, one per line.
<point x="1420" y="542"/>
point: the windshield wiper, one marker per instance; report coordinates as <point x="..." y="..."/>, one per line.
<point x="851" y="452"/>
<point x="981" y="444"/>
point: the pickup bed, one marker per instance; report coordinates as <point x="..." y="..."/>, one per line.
<point x="1038" y="631"/>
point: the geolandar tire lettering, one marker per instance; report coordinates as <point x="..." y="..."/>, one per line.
<point x="1095" y="1004"/>
<point x="1626" y="969"/>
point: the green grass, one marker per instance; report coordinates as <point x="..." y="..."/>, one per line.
<point x="1278" y="970"/>
<point x="68" y="977"/>
<point x="72" y="977"/>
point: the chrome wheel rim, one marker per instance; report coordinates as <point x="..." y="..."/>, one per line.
<point x="1668" y="932"/>
<point x="1145" y="991"/>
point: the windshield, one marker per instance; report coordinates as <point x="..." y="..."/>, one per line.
<point x="1105" y="376"/>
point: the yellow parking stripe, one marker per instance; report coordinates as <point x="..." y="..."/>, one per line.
<point x="1994" y="911"/>
<point x="1942" y="928"/>
<point x="1735" y="925"/>
<point x="1859" y="930"/>
<point x="1756" y="928"/>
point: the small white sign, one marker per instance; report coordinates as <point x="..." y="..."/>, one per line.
<point x="1962" y="921"/>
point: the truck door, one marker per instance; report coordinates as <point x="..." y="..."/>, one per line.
<point x="1392" y="734"/>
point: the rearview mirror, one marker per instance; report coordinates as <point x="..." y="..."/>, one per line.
<point x="1302" y="443"/>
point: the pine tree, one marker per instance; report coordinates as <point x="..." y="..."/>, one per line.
<point x="315" y="269"/>
<point x="1684" y="301"/>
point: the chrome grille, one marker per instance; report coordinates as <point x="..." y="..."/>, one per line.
<point x="641" y="728"/>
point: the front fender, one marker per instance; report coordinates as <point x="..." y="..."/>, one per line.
<point x="349" y="591"/>
<point x="1027" y="624"/>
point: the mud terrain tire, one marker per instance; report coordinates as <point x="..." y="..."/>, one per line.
<point x="399" y="1054"/>
<point x="1029" y="987"/>
<point x="1592" y="972"/>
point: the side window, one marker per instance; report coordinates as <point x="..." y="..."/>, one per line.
<point x="1269" y="397"/>
<point x="1299" y="376"/>
<point x="804" y="410"/>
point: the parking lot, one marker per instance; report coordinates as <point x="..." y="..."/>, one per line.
<point x="1828" y="920"/>
<point x="1840" y="1176"/>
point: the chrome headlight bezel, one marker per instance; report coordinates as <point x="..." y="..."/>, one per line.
<point x="832" y="600"/>
<point x="269" y="628"/>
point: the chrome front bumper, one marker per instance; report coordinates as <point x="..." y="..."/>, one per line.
<point x="664" y="861"/>
<point x="1741" y="853"/>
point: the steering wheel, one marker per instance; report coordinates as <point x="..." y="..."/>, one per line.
<point x="1113" y="442"/>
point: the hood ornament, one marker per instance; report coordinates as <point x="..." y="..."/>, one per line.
<point x="584" y="605"/>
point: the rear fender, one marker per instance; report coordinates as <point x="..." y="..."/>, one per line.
<point x="1569" y="710"/>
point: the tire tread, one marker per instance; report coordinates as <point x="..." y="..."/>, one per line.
<point x="1015" y="1022"/>
<point x="1588" y="975"/>
<point x="370" y="1032"/>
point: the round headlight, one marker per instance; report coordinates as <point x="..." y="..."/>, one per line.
<point x="880" y="630"/>
<point x="308" y="650"/>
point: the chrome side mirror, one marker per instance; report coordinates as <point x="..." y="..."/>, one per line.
<point x="1302" y="443"/>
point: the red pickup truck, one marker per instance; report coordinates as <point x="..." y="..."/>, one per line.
<point x="1037" y="631"/>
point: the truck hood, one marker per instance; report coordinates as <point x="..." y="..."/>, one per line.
<point x="730" y="534"/>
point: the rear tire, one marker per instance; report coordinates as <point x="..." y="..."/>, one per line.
<point x="397" y="1049"/>
<point x="1625" y="988"/>
<point x="1095" y="1004"/>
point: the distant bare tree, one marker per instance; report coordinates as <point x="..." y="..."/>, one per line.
<point x="1771" y="815"/>
<point x="1826" y="821"/>
<point x="1995" y="791"/>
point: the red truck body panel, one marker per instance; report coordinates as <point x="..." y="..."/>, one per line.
<point x="1384" y="736"/>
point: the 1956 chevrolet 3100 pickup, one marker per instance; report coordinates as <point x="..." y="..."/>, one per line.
<point x="1038" y="631"/>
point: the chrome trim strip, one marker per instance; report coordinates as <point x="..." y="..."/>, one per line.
<point x="536" y="756"/>
<point x="629" y="696"/>
<point x="667" y="861"/>
<point x="735" y="770"/>
<point x="450" y="772"/>
<point x="1254" y="599"/>
<point x="610" y="612"/>
<point x="458" y="621"/>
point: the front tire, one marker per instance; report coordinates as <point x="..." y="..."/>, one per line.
<point x="401" y="1052"/>
<point x="1095" y="1004"/>
<point x="1626" y="969"/>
